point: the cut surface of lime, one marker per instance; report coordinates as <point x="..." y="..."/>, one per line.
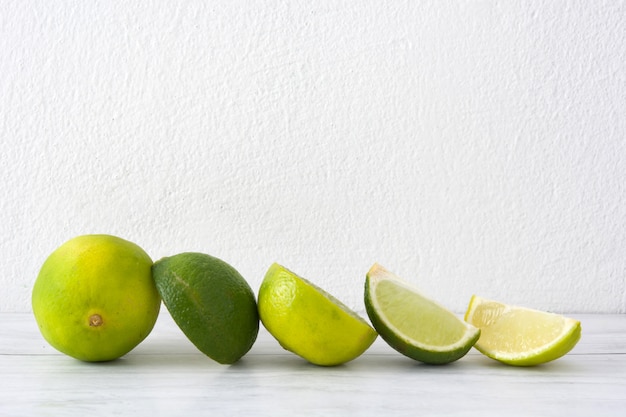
<point x="211" y="303"/>
<point x="521" y="336"/>
<point x="412" y="323"/>
<point x="309" y="322"/>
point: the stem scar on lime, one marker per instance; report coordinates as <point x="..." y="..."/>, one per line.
<point x="95" y="320"/>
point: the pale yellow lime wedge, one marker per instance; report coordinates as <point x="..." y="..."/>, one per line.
<point x="521" y="336"/>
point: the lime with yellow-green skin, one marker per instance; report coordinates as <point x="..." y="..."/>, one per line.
<point x="94" y="298"/>
<point x="310" y="322"/>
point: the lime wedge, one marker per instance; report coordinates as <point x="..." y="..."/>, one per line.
<point x="413" y="324"/>
<point x="309" y="322"/>
<point x="521" y="336"/>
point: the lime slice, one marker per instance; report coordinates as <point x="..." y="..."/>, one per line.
<point x="309" y="322"/>
<point x="211" y="303"/>
<point x="413" y="324"/>
<point x="521" y="336"/>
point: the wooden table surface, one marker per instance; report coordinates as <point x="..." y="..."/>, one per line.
<point x="167" y="376"/>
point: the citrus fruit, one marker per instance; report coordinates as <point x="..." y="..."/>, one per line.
<point x="521" y="336"/>
<point x="309" y="322"/>
<point x="211" y="303"/>
<point x="413" y="324"/>
<point x="94" y="298"/>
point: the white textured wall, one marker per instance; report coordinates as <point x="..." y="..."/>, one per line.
<point x="470" y="146"/>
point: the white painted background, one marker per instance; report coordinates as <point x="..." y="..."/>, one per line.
<point x="470" y="146"/>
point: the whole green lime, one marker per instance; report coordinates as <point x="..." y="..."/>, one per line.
<point x="94" y="298"/>
<point x="211" y="303"/>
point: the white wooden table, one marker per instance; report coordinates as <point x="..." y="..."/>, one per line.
<point x="167" y="376"/>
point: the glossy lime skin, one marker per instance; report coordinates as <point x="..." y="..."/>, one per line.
<point x="309" y="322"/>
<point x="211" y="303"/>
